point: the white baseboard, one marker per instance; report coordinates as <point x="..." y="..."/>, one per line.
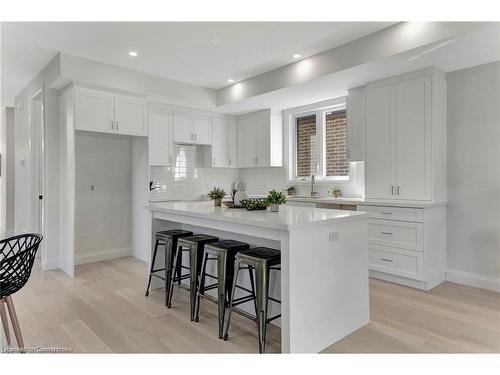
<point x="473" y="279"/>
<point x="50" y="264"/>
<point x="96" y="256"/>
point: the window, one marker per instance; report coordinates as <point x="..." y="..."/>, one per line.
<point x="321" y="144"/>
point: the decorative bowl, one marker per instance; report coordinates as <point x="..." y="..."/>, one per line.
<point x="230" y="204"/>
<point x="253" y="204"/>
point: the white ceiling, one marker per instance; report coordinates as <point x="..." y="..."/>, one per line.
<point x="204" y="54"/>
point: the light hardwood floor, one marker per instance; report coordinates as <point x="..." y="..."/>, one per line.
<point x="103" y="309"/>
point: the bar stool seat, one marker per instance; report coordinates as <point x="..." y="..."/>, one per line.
<point x="262" y="260"/>
<point x="167" y="238"/>
<point x="223" y="252"/>
<point x="195" y="246"/>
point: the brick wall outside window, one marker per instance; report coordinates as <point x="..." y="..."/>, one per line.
<point x="336" y="144"/>
<point x="306" y="146"/>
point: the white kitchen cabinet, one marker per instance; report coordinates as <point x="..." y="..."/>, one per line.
<point x="407" y="245"/>
<point x="161" y="145"/>
<point x="356" y="118"/>
<point x="406" y="138"/>
<point x="224" y="138"/>
<point x="232" y="143"/>
<point x="260" y="140"/>
<point x="193" y="129"/>
<point x="99" y="111"/>
<point x="94" y="110"/>
<point x="130" y="116"/>
<point x="181" y="125"/>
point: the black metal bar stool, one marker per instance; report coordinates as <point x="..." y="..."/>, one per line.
<point x="169" y="239"/>
<point x="263" y="260"/>
<point x="224" y="253"/>
<point x="195" y="246"/>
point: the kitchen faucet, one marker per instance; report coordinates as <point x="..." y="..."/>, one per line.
<point x="313" y="183"/>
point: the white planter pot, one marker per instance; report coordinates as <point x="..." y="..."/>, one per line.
<point x="275" y="207"/>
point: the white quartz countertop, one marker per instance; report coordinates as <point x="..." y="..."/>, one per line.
<point x="330" y="200"/>
<point x="361" y="201"/>
<point x="288" y="218"/>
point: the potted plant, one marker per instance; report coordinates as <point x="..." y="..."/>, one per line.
<point x="216" y="194"/>
<point x="275" y="198"/>
<point x="291" y="190"/>
<point x="336" y="192"/>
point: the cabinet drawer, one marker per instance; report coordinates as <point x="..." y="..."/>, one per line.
<point x="396" y="262"/>
<point x="404" y="235"/>
<point x="393" y="213"/>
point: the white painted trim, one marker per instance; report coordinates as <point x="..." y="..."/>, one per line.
<point x="473" y="279"/>
<point x="50" y="264"/>
<point x="96" y="256"/>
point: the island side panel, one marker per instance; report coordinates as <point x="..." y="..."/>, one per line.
<point x="324" y="285"/>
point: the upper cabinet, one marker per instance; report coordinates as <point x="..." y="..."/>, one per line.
<point x="188" y="128"/>
<point x="99" y="111"/>
<point x="260" y="140"/>
<point x="161" y="145"/>
<point x="356" y="117"/>
<point x="224" y="139"/>
<point x="406" y="137"/>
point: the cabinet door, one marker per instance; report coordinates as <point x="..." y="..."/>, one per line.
<point x="160" y="139"/>
<point x="246" y="142"/>
<point x="356" y="125"/>
<point x="201" y="130"/>
<point x="94" y="111"/>
<point x="232" y="144"/>
<point x="130" y="116"/>
<point x="413" y="139"/>
<point x="380" y="128"/>
<point x="181" y="125"/>
<point x="263" y="141"/>
<point x="219" y="142"/>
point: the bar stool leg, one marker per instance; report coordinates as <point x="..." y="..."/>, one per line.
<point x="252" y="286"/>
<point x="201" y="287"/>
<point x="194" y="266"/>
<point x="15" y="322"/>
<point x="152" y="266"/>
<point x="168" y="267"/>
<point x="177" y="256"/>
<point x="262" y="276"/>
<point x="231" y="299"/>
<point x="5" y="322"/>
<point x="221" y="290"/>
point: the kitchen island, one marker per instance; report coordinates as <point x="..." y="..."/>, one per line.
<point x="324" y="272"/>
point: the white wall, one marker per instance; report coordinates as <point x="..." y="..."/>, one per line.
<point x="474" y="176"/>
<point x="9" y="172"/>
<point x="103" y="215"/>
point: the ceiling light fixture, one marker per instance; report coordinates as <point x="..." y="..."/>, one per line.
<point x="297" y="56"/>
<point x="230" y="80"/>
<point x="133" y="53"/>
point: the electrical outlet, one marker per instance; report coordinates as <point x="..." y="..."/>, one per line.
<point x="333" y="236"/>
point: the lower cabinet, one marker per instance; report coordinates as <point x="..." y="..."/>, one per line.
<point x="407" y="245"/>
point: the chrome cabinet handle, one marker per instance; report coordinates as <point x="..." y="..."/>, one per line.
<point x="387" y="260"/>
<point x="117" y="126"/>
<point x="112" y="127"/>
<point x="399" y="190"/>
<point x="389" y="233"/>
<point x="170" y="159"/>
<point x="256" y="160"/>
<point x="386" y="213"/>
<point x="229" y="161"/>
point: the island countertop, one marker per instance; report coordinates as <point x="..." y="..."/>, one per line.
<point x="288" y="217"/>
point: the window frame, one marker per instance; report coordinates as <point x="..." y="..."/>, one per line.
<point x="320" y="112"/>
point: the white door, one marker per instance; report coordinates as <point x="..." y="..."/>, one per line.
<point x="247" y="139"/>
<point x="201" y="130"/>
<point x="232" y="144"/>
<point x="413" y="139"/>
<point x="380" y="127"/>
<point x="160" y="139"/>
<point x="263" y="142"/>
<point x="181" y="125"/>
<point x="130" y="116"/>
<point x="219" y="142"/>
<point x="94" y="111"/>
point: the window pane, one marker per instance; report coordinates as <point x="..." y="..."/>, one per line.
<point x="336" y="144"/>
<point x="307" y="146"/>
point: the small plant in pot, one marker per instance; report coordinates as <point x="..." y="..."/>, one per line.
<point x="336" y="192"/>
<point x="291" y="190"/>
<point x="275" y="198"/>
<point x="216" y="194"/>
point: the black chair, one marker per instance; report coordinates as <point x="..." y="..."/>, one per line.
<point x="17" y="255"/>
<point x="262" y="260"/>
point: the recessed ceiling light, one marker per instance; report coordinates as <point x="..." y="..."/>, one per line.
<point x="133" y="53"/>
<point x="297" y="56"/>
<point x="230" y="80"/>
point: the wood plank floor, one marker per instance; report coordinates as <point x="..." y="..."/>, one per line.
<point x="103" y="310"/>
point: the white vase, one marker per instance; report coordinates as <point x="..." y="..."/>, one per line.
<point x="275" y="207"/>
